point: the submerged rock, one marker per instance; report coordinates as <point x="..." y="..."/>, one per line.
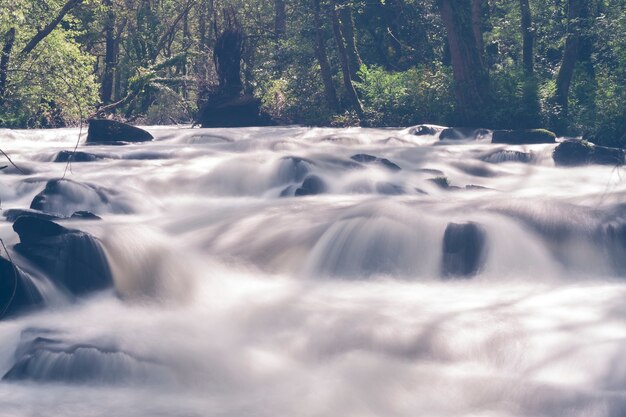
<point x="18" y="293"/>
<point x="502" y="156"/>
<point x="293" y="168"/>
<point x="70" y="258"/>
<point x="370" y="159"/>
<point x="523" y="137"/>
<point x="78" y="156"/>
<point x="44" y="356"/>
<point x="464" y="249"/>
<point x="463" y="133"/>
<point x="312" y="185"/>
<point x="64" y="197"/>
<point x="577" y="152"/>
<point x="112" y="132"/>
<point x="614" y="236"/>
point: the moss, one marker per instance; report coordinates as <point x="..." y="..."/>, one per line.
<point x="523" y="137"/>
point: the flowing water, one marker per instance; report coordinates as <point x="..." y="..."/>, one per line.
<point x="233" y="297"/>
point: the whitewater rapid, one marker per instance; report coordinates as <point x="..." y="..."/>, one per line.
<point x="235" y="297"/>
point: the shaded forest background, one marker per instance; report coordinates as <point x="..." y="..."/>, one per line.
<point x="559" y="64"/>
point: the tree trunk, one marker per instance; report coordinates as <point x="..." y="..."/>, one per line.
<point x="530" y="115"/>
<point x="227" y="56"/>
<point x="322" y="57"/>
<point x="471" y="80"/>
<point x="280" y="18"/>
<point x="9" y="40"/>
<point x="110" y="55"/>
<point x="347" y="27"/>
<point x="477" y="24"/>
<point x="345" y="62"/>
<point x="528" y="37"/>
<point x="570" y="55"/>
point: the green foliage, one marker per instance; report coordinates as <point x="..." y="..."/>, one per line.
<point x="410" y="97"/>
<point x="52" y="86"/>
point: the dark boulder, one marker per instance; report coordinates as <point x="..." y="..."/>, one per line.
<point x="370" y="159"/>
<point x="242" y="111"/>
<point x="424" y="130"/>
<point x="312" y="185"/>
<point x="13" y="214"/>
<point x="577" y="152"/>
<point x="18" y="292"/>
<point x="464" y="249"/>
<point x="463" y="133"/>
<point x="501" y="156"/>
<point x="64" y="197"/>
<point x="85" y="215"/>
<point x="523" y="137"/>
<point x="112" y="132"/>
<point x="70" y="258"/>
<point x="78" y="156"/>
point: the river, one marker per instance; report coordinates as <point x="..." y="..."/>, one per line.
<point x="234" y="297"/>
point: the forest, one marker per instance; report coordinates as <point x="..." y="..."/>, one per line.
<point x="556" y="64"/>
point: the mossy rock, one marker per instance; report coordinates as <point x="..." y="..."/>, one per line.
<point x="523" y="137"/>
<point x="580" y="152"/>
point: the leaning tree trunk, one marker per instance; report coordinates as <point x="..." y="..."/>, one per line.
<point x="9" y="40"/>
<point x="471" y="80"/>
<point x="353" y="98"/>
<point x="570" y="55"/>
<point x="322" y="58"/>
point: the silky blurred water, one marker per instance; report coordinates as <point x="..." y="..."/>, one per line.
<point x="233" y="297"/>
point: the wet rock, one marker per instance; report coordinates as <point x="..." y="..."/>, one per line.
<point x="44" y="356"/>
<point x="78" y="156"/>
<point x="441" y="182"/>
<point x="464" y="249"/>
<point x="13" y="214"/>
<point x="242" y="111"/>
<point x="477" y="169"/>
<point x="437" y="172"/>
<point x="70" y="258"/>
<point x="370" y="159"/>
<point x="112" y="132"/>
<point x="502" y="156"/>
<point x="614" y="235"/>
<point x="388" y="188"/>
<point x="463" y="133"/>
<point x="293" y="168"/>
<point x="312" y="185"/>
<point x="18" y="293"/>
<point x="523" y="137"/>
<point x="577" y="152"/>
<point x="64" y="197"/>
<point x="424" y="130"/>
<point x="85" y="215"/>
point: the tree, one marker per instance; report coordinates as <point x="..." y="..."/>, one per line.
<point x="471" y="80"/>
